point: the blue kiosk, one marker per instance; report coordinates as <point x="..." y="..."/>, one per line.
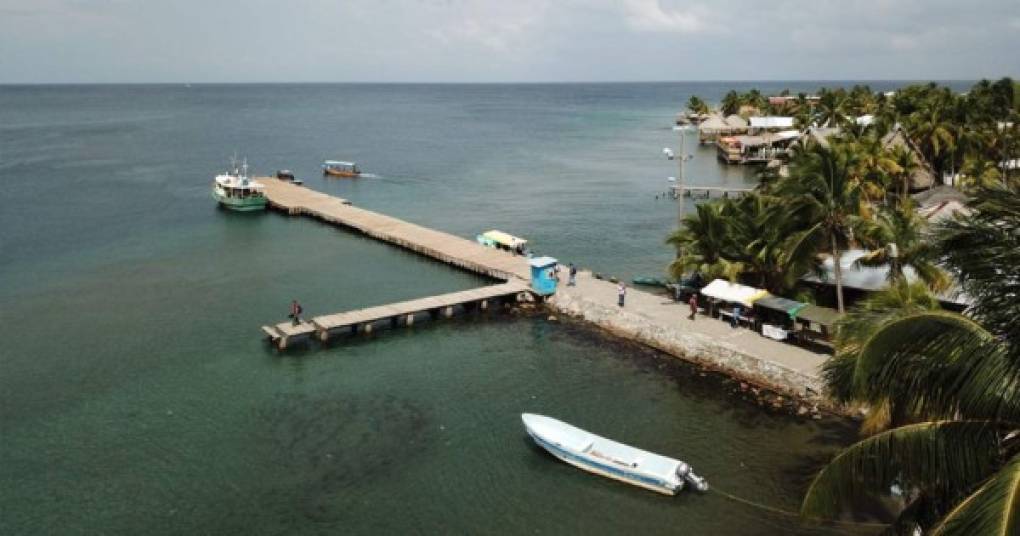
<point x="543" y="277"/>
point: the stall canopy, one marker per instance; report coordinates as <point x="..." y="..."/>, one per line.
<point x="722" y="289"/>
<point x="819" y="315"/>
<point x="783" y="305"/>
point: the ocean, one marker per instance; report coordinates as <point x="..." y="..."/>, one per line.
<point x="136" y="393"/>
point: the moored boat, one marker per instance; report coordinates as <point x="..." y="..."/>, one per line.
<point x="236" y="191"/>
<point x="500" y="240"/>
<point x="339" y="168"/>
<point x="609" y="458"/>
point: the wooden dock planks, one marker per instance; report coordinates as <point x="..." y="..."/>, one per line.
<point x="283" y="333"/>
<point x="444" y="247"/>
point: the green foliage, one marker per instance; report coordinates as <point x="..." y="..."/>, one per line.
<point x="948" y="383"/>
<point x="696" y="105"/>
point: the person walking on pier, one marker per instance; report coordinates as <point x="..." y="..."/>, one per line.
<point x="573" y="276"/>
<point x="693" y="302"/>
<point x="621" y="292"/>
<point x="295" y="312"/>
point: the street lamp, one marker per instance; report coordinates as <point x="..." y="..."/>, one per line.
<point x="678" y="188"/>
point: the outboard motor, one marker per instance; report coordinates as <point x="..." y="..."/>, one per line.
<point x="698" y="482"/>
<point x="682" y="470"/>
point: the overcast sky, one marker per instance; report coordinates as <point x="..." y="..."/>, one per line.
<point x="505" y="40"/>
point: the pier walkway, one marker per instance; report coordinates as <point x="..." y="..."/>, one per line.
<point x="363" y="320"/>
<point x="651" y="319"/>
<point x="443" y="247"/>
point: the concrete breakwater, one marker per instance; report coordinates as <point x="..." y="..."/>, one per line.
<point x="657" y="322"/>
<point x="647" y="318"/>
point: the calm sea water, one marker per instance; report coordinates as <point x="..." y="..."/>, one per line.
<point x="137" y="397"/>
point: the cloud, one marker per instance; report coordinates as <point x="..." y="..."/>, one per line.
<point x="650" y="16"/>
<point x="500" y="40"/>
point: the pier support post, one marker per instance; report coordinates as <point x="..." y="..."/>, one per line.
<point x="483" y="305"/>
<point x="324" y="335"/>
<point x="282" y="345"/>
<point x="448" y="312"/>
<point x="410" y="319"/>
<point x="366" y="328"/>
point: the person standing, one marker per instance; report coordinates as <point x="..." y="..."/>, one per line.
<point x="573" y="276"/>
<point x="621" y="292"/>
<point x="295" y="312"/>
<point x="693" y="302"/>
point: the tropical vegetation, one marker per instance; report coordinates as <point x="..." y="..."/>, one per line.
<point x="941" y="388"/>
<point x="944" y="387"/>
<point x="853" y="190"/>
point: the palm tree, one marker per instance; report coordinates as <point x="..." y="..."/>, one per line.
<point x="898" y="238"/>
<point x="875" y="168"/>
<point x="831" y="108"/>
<point x="696" y="105"/>
<point x="933" y="134"/>
<point x="955" y="383"/>
<point x="905" y="167"/>
<point x="898" y="300"/>
<point x="703" y="242"/>
<point x="822" y="195"/>
<point x="730" y="103"/>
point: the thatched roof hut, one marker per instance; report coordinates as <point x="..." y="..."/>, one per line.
<point x="923" y="176"/>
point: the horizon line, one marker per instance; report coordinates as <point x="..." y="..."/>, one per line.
<point x="506" y="82"/>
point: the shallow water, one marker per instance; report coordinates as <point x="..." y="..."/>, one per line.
<point x="137" y="397"/>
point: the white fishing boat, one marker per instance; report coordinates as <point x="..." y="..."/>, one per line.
<point x="609" y="458"/>
<point x="236" y="191"/>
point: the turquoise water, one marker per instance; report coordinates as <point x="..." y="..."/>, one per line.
<point x="137" y="397"/>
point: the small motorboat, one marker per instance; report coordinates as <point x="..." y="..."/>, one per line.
<point x="288" y="176"/>
<point x="337" y="168"/>
<point x="609" y="458"/>
<point x="649" y="281"/>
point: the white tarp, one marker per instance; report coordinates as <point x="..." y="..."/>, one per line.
<point x="722" y="289"/>
<point x="772" y="122"/>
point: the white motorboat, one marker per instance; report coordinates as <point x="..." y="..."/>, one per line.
<point x="609" y="458"/>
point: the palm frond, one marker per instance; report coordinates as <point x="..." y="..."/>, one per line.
<point x="938" y="363"/>
<point x="993" y="510"/>
<point x="937" y="455"/>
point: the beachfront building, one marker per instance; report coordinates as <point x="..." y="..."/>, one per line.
<point x="768" y="138"/>
<point x="716" y="125"/>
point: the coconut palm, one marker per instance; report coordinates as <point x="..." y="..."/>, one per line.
<point x="730" y="103"/>
<point x="831" y="108"/>
<point x="954" y="381"/>
<point x="696" y="105"/>
<point x="933" y="134"/>
<point x="703" y="242"/>
<point x="899" y="239"/>
<point x="898" y="300"/>
<point x="905" y="167"/>
<point x="822" y="195"/>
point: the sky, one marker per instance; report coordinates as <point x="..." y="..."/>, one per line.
<point x="100" y="41"/>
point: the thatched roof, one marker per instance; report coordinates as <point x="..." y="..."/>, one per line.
<point x="923" y="176"/>
<point x="714" y="122"/>
<point x="735" y="121"/>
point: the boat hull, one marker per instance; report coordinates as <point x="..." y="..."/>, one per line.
<point x="338" y="173"/>
<point x="250" y="204"/>
<point x="606" y="470"/>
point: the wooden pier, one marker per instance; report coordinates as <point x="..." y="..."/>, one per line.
<point x="403" y="313"/>
<point x="443" y="247"/>
<point x="706" y="192"/>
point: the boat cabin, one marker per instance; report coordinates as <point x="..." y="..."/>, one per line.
<point x="338" y="168"/>
<point x="504" y="241"/>
<point x="235" y="187"/>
